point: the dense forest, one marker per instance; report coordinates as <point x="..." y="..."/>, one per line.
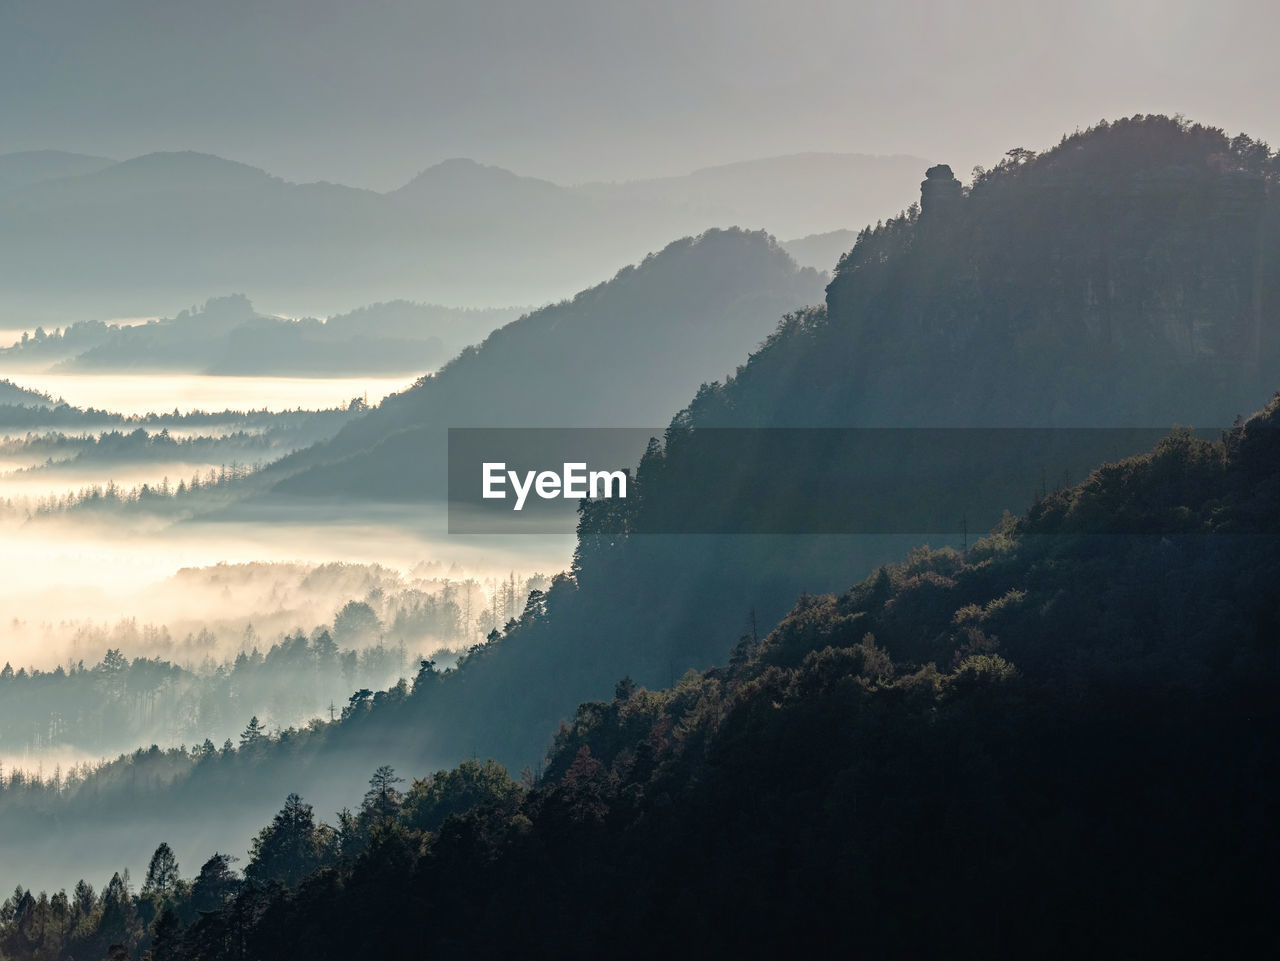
<point x="947" y="754"/>
<point x="196" y="461"/>
<point x="104" y="708"/>
<point x="63" y="450"/>
<point x="48" y="414"/>
<point x="11" y="393"/>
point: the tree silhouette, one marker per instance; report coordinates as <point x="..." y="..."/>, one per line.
<point x="253" y="734"/>
<point x="162" y="872"/>
<point x="286" y="850"/>
<point x="383" y="799"/>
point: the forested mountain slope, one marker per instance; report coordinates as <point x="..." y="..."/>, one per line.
<point x="624" y="353"/>
<point x="1128" y="276"/>
<point x="1192" y="311"/>
<point x="654" y="605"/>
<point x="1061" y="742"/>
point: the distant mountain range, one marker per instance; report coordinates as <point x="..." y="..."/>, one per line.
<point x="86" y="236"/>
<point x="228" y="336"/>
<point x="821" y="250"/>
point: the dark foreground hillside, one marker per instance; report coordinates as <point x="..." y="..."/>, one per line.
<point x="1060" y="743"/>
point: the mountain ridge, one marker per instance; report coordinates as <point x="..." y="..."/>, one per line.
<point x="660" y="323"/>
<point x="137" y="236"/>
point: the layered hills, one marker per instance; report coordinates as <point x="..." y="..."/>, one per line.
<point x="620" y="354"/>
<point x="145" y="236"/>
<point x="227" y="335"/>
<point x="1113" y="643"/>
<point x="1126" y="278"/>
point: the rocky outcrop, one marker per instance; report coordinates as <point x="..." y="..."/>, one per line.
<point x="940" y="192"/>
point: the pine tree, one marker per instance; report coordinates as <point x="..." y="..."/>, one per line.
<point x="162" y="872"/>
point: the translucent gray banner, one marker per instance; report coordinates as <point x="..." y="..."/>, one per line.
<point x="768" y="481"/>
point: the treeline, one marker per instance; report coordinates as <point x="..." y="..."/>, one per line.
<point x="25" y="417"/>
<point x="11" y="393"/>
<point x="121" y="701"/>
<point x="163" y="497"/>
<point x="256" y="436"/>
<point x="186" y="690"/>
<point x="60" y="450"/>
<point x="189" y="785"/>
<point x="119" y="921"/>
<point x="138" y="444"/>
<point x="968" y="752"/>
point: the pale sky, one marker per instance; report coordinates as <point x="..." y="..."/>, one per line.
<point x="371" y="92"/>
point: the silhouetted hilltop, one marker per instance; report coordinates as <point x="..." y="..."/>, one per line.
<point x="1129" y="276"/>
<point x="458" y="327"/>
<point x="463" y="188"/>
<point x="616" y="355"/>
<point x="11" y="393"/>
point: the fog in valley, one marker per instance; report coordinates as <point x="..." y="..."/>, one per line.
<point x="205" y="591"/>
<point x="131" y="394"/>
<point x="166" y="626"/>
<point x="124" y="633"/>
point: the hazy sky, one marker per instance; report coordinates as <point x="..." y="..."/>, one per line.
<point x="370" y="92"/>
